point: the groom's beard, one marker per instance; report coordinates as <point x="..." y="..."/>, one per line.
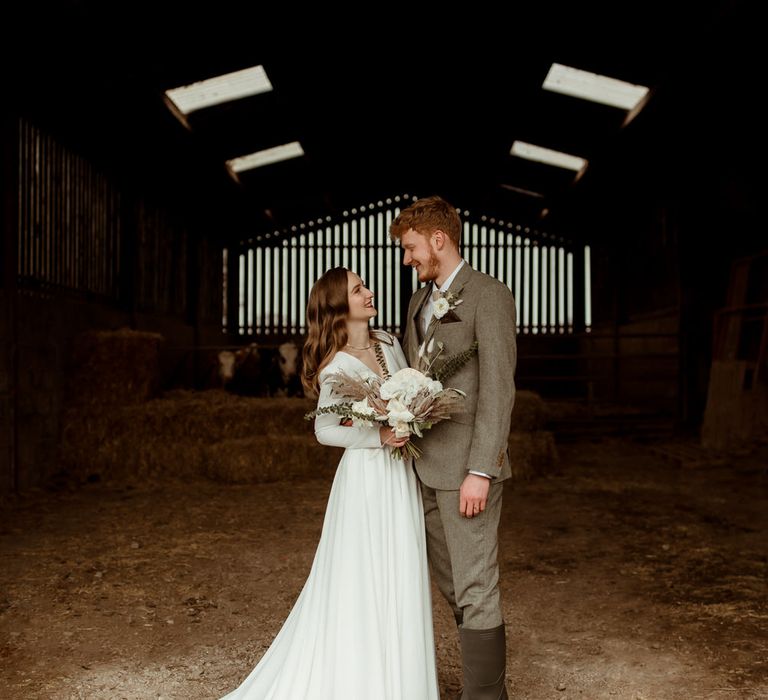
<point x="432" y="269"/>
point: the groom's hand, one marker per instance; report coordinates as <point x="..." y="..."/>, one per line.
<point x="473" y="495"/>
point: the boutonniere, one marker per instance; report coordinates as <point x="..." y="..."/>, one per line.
<point x="445" y="303"/>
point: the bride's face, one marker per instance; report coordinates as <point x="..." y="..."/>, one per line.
<point x="359" y="298"/>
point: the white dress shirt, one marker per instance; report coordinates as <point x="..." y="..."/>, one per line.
<point x="426" y="317"/>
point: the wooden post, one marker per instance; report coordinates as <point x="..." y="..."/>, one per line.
<point x="128" y="246"/>
<point x="10" y="185"/>
<point x="233" y="282"/>
<point x="579" y="299"/>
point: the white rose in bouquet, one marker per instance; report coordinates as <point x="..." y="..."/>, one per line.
<point x="365" y="409"/>
<point x="398" y="414"/>
<point x="404" y="385"/>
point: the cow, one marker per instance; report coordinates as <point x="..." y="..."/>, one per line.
<point x="242" y="372"/>
<point x="259" y="371"/>
<point x="284" y="378"/>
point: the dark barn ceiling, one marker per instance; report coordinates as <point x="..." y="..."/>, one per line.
<point x="384" y="100"/>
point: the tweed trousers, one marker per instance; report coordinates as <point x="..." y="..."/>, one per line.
<point x="463" y="555"/>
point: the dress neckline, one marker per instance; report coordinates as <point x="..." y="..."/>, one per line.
<point x="380" y="357"/>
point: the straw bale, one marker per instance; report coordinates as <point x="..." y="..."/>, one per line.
<point x="184" y="432"/>
<point x="233" y="438"/>
<point x="110" y="447"/>
<point x="220" y="415"/>
<point x="529" y="412"/>
<point x="269" y="458"/>
<point x="532" y="453"/>
<point x="111" y="368"/>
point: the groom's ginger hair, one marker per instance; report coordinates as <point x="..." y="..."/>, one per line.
<point x="427" y="215"/>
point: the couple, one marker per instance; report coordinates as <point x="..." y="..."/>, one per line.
<point x="361" y="628"/>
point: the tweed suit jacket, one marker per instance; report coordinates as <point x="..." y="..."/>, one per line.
<point x="478" y="437"/>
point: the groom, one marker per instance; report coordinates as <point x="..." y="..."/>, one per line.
<point x="465" y="459"/>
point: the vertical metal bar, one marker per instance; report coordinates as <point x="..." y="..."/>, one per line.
<point x="490" y="245"/>
<point x="268" y="306"/>
<point x="341" y="235"/>
<point x="560" y="288"/>
<point x="251" y="290"/>
<point x="536" y="284"/>
<point x="277" y="301"/>
<point x="279" y="297"/>
<point x="542" y="287"/>
<point x="258" y="288"/>
<point x="526" y="284"/>
<point x="357" y="253"/>
<point x="296" y="277"/>
<point x="567" y="288"/>
<point x="389" y="276"/>
<point x="510" y="259"/>
<point x="553" y="288"/>
<point x="278" y="288"/>
<point x="303" y="288"/>
<point x="287" y="283"/>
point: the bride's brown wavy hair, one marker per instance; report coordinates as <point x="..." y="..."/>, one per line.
<point x="327" y="311"/>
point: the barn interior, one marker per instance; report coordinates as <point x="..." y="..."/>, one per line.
<point x="157" y="520"/>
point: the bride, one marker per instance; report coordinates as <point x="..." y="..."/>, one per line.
<point x="362" y="625"/>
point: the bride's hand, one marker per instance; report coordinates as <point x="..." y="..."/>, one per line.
<point x="388" y="437"/>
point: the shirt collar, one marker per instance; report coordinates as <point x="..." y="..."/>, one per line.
<point x="450" y="278"/>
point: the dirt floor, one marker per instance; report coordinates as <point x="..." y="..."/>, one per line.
<point x="624" y="576"/>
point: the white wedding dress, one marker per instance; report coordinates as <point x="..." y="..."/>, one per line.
<point x="361" y="629"/>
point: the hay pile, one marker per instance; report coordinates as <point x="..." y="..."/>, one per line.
<point x="113" y="368"/>
<point x="529" y="413"/>
<point x="236" y="439"/>
<point x="186" y="433"/>
<point x="531" y="448"/>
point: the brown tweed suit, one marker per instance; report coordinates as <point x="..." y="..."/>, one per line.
<point x="463" y="551"/>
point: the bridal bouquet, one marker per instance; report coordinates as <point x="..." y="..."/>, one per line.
<point x="410" y="401"/>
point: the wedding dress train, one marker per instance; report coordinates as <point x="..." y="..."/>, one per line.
<point x="361" y="629"/>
